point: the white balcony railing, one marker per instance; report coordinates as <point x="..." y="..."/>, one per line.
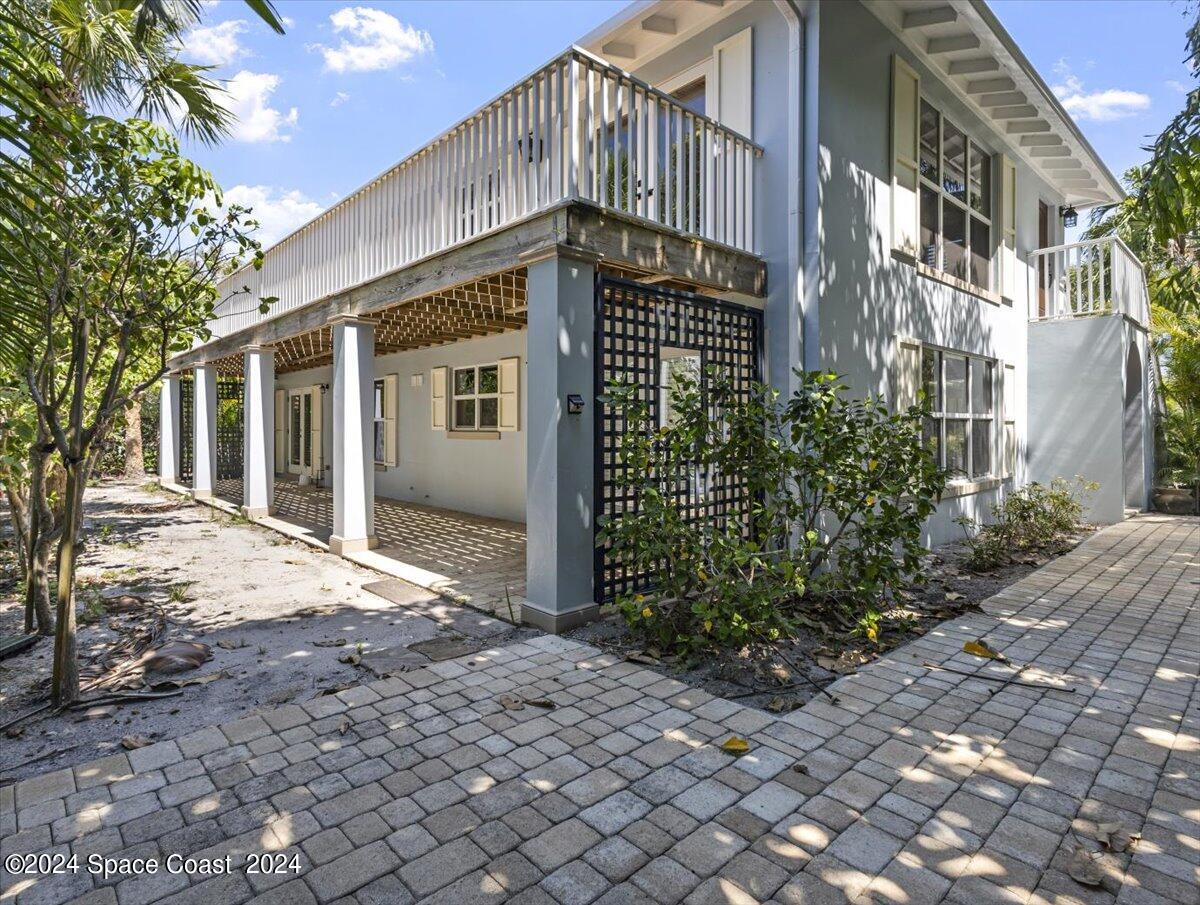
<point x="1096" y="276"/>
<point x="578" y="128"/>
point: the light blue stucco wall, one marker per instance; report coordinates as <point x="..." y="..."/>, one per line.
<point x="483" y="477"/>
<point x="869" y="297"/>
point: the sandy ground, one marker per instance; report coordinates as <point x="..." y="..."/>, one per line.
<point x="259" y="600"/>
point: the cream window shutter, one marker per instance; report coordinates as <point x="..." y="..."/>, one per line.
<point x="317" y="424"/>
<point x="729" y="99"/>
<point x="437" y="398"/>
<point x="1008" y="228"/>
<point x="906" y="133"/>
<point x="510" y="394"/>
<point x="907" y="377"/>
<point x="391" y="419"/>
<point x="281" y="430"/>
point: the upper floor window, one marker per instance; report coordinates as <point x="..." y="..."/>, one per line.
<point x="956" y="200"/>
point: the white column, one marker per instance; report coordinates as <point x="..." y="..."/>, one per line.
<point x="353" y="432"/>
<point x="559" y="482"/>
<point x="168" y="430"/>
<point x="204" y="419"/>
<point x="258" y="420"/>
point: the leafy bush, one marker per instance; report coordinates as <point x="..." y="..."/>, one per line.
<point x="837" y="489"/>
<point x="1034" y="519"/>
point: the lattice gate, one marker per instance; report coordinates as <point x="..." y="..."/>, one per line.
<point x="634" y="323"/>
<point x="186" y="431"/>
<point x="230" y="440"/>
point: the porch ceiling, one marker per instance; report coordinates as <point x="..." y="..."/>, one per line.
<point x="479" y="288"/>
<point x="483" y="307"/>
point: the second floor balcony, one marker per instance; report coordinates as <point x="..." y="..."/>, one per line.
<point x="576" y="130"/>
<point x="1092" y="277"/>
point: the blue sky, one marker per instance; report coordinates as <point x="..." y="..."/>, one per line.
<point x="354" y="87"/>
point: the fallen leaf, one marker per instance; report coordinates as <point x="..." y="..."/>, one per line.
<point x="954" y="595"/>
<point x="980" y="649"/>
<point x="782" y="705"/>
<point x="800" y="768"/>
<point x="231" y="643"/>
<point x="177" y="656"/>
<point x="190" y="680"/>
<point x="1084" y="867"/>
<point x="1114" y="837"/>
<point x="344" y="727"/>
<point x="352" y="657"/>
<point x="131" y="742"/>
<point x="330" y="642"/>
<point x="735" y="744"/>
<point x="637" y="656"/>
<point x="508" y="702"/>
<point x="541" y="702"/>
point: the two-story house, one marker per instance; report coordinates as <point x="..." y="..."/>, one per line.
<point x="874" y="188"/>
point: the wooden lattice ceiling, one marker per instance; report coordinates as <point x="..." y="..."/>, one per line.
<point x="495" y="304"/>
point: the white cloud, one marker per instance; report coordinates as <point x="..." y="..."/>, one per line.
<point x="250" y="101"/>
<point x="338" y="99"/>
<point x="1176" y="85"/>
<point x="215" y="45"/>
<point x="372" y="40"/>
<point x="1102" y="106"/>
<point x="277" y="211"/>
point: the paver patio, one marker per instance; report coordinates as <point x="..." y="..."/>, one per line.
<point x="470" y="559"/>
<point x="917" y="786"/>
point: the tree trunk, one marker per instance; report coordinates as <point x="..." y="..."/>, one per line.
<point x="65" y="680"/>
<point x="135" y="462"/>
<point x="37" y="588"/>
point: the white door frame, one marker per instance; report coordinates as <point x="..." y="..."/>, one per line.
<point x="308" y="458"/>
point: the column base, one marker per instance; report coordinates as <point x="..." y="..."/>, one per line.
<point x="559" y="622"/>
<point x="201" y="494"/>
<point x="343" y="545"/>
<point x="257" y="511"/>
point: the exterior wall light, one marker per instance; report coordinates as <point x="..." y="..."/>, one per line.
<point x="1069" y="216"/>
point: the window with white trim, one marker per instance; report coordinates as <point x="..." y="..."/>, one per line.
<point x="955" y="200"/>
<point x="960" y="428"/>
<point x="476" y="398"/>
<point x="380" y="423"/>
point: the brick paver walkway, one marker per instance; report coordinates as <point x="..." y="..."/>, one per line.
<point x="919" y="786"/>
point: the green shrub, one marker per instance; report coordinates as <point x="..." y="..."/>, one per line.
<point x="1034" y="519"/>
<point x="838" y="489"/>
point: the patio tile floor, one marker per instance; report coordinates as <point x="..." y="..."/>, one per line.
<point x="918" y="786"/>
<point x="469" y="559"/>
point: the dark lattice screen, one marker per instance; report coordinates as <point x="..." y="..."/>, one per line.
<point x="634" y="322"/>
<point x="230" y="442"/>
<point x="186" y="431"/>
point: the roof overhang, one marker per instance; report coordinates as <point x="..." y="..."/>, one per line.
<point x="964" y="43"/>
<point x="647" y="28"/>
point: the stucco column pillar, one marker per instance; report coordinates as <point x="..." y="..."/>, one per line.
<point x="258" y="420"/>
<point x="204" y="419"/>
<point x="560" y="448"/>
<point x="353" y="430"/>
<point x="168" y="430"/>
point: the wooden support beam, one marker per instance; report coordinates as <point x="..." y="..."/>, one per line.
<point x="1028" y="125"/>
<point x="619" y="49"/>
<point x="1002" y="99"/>
<point x="967" y="67"/>
<point x="936" y="15"/>
<point x="1040" y="141"/>
<point x="952" y="43"/>
<point x="989" y="86"/>
<point x="1059" y="151"/>
<point x="1015" y="111"/>
<point x="659" y="24"/>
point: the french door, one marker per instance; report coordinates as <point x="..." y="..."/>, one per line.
<point x="304" y="432"/>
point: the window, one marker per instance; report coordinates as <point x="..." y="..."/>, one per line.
<point x="956" y="200"/>
<point x="295" y="436"/>
<point x="1010" y="420"/>
<point x="476" y="404"/>
<point x="959" y="431"/>
<point x="691" y="96"/>
<point x="380" y="424"/>
<point x="675" y="366"/>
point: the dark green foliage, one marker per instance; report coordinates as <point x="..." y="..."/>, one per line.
<point x="1035" y="519"/>
<point x="839" y="486"/>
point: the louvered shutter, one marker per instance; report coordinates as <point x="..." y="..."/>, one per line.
<point x="906" y="132"/>
<point x="437" y="398"/>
